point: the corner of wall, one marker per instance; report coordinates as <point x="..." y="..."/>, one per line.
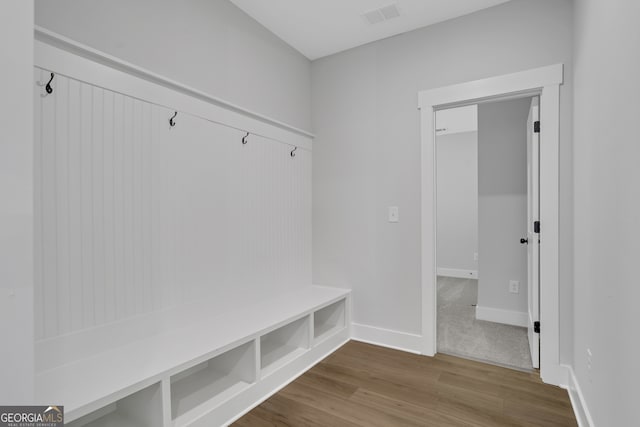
<point x="578" y="402"/>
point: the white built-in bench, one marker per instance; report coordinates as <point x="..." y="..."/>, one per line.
<point x="207" y="372"/>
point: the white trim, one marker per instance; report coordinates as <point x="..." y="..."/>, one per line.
<point x="386" y="338"/>
<point x="498" y="315"/>
<point x="579" y="404"/>
<point x="549" y="234"/>
<point x="458" y="273"/>
<point x="67" y="57"/>
<point x="478" y="90"/>
<point x="544" y="81"/>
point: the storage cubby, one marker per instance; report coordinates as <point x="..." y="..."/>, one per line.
<point x="205" y="386"/>
<point x="283" y="344"/>
<point x="141" y="409"/>
<point x="328" y="320"/>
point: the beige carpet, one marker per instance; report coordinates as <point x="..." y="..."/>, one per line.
<point x="459" y="333"/>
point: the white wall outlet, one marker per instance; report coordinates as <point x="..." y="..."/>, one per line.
<point x="475" y="256"/>
<point x="514" y="286"/>
<point x="394" y="214"/>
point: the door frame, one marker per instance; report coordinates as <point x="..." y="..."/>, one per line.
<point x="545" y="82"/>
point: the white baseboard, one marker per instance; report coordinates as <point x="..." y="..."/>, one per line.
<point x="508" y="317"/>
<point x="457" y="272"/>
<point x="387" y="338"/>
<point x="580" y="409"/>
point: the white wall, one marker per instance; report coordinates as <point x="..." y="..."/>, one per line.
<point x="502" y="203"/>
<point x="367" y="150"/>
<point x="210" y="45"/>
<point x="457" y="181"/>
<point x="607" y="208"/>
<point x="16" y="206"/>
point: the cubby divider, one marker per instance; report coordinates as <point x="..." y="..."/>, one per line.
<point x="140" y="409"/>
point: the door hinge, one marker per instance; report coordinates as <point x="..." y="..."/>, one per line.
<point x="536" y="227"/>
<point x="536" y="327"/>
<point x="536" y="126"/>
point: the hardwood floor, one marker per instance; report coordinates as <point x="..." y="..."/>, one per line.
<point x="366" y="385"/>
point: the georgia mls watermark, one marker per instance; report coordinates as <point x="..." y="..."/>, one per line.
<point x="31" y="416"/>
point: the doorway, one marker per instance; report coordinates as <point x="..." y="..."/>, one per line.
<point x="484" y="170"/>
<point x="544" y="82"/>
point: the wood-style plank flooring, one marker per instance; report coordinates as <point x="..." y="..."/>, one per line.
<point x="365" y="385"/>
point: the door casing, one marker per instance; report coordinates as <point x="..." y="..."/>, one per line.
<point x="544" y="82"/>
<point x="533" y="242"/>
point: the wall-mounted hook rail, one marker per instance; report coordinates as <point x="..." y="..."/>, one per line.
<point x="244" y="138"/>
<point x="293" y="152"/>
<point x="172" y="122"/>
<point x="48" y="87"/>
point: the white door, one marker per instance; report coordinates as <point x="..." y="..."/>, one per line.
<point x="532" y="238"/>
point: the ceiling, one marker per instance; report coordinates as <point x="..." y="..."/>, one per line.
<point x="318" y="28"/>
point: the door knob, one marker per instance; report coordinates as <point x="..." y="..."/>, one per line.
<point x="524" y="241"/>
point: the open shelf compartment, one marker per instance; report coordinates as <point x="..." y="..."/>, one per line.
<point x="284" y="344"/>
<point x="140" y="409"/>
<point x="203" y="387"/>
<point x="328" y="320"/>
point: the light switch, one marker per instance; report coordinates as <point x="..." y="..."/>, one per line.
<point x="394" y="214"/>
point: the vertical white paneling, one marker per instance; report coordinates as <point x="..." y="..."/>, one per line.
<point x="198" y="207"/>
<point x="136" y="160"/>
<point x="128" y="203"/>
<point x="134" y="216"/>
<point x="162" y="251"/>
<point x="50" y="218"/>
<point x="75" y="202"/>
<point x="118" y="206"/>
<point x="86" y="204"/>
<point x="97" y="168"/>
<point x="174" y="146"/>
<point x="37" y="206"/>
<point x="108" y="188"/>
<point x="155" y="173"/>
<point x="61" y="180"/>
<point x="146" y="213"/>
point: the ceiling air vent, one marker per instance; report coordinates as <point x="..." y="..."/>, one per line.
<point x="384" y="13"/>
<point x="390" y="12"/>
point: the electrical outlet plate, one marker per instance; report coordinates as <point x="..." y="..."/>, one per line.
<point x="394" y="214"/>
<point x="514" y="286"/>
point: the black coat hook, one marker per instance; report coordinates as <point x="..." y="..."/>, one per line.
<point x="293" y="152"/>
<point x="172" y="122"/>
<point x="48" y="88"/>
<point x="244" y="138"/>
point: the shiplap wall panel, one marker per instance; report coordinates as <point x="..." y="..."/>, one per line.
<point x="118" y="207"/>
<point x="75" y="200"/>
<point x="127" y="208"/>
<point x="38" y="297"/>
<point x="49" y="221"/>
<point x="61" y="195"/>
<point x="108" y="123"/>
<point x="136" y="217"/>
<point x="97" y="197"/>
